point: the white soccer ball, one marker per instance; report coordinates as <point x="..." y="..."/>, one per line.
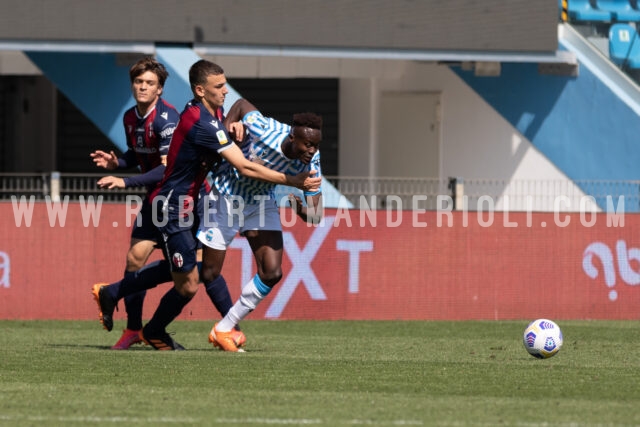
<point x="542" y="338"/>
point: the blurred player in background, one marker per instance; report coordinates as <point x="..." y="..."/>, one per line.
<point x="148" y="126"/>
<point x="200" y="141"/>
<point x="288" y="149"/>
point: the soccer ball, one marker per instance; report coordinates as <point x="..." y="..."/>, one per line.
<point x="542" y="338"/>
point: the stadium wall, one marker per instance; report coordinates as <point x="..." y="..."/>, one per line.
<point x="476" y="140"/>
<point x="357" y="265"/>
<point x="579" y="123"/>
<point x="489" y="25"/>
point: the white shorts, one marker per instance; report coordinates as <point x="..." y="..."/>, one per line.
<point x="224" y="217"/>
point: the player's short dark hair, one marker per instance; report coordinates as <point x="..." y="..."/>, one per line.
<point x="149" y="63"/>
<point x="307" y="120"/>
<point x="202" y="69"/>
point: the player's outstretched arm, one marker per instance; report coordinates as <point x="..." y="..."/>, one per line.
<point x="303" y="180"/>
<point x="105" y="160"/>
<point x="110" y="182"/>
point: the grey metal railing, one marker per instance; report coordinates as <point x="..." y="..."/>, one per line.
<point x="24" y="184"/>
<point x="387" y="192"/>
<point x="58" y="185"/>
<point x="396" y="193"/>
<point x="535" y="195"/>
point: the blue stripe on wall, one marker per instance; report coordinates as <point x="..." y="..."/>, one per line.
<point x="578" y="123"/>
<point x="98" y="86"/>
<point x="94" y="83"/>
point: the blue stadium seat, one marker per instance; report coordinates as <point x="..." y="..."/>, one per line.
<point x="624" y="46"/>
<point x="583" y="10"/>
<point x="620" y="10"/>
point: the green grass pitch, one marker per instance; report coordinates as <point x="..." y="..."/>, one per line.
<point x="321" y="373"/>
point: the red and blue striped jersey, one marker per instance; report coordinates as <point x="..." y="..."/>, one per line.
<point x="149" y="137"/>
<point x="194" y="150"/>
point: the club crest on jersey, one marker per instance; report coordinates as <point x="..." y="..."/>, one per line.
<point x="177" y="259"/>
<point x="222" y="137"/>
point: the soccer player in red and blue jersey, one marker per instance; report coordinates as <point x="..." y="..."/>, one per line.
<point x="149" y="126"/>
<point x="200" y="141"/>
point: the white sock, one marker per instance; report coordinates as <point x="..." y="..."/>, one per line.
<point x="248" y="301"/>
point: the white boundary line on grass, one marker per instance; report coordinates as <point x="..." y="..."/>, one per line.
<point x="221" y="421"/>
<point x="270" y="421"/>
<point x="280" y="421"/>
<point x="81" y="419"/>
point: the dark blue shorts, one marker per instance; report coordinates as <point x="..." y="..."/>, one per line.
<point x="144" y="227"/>
<point x="180" y="244"/>
<point x="180" y="248"/>
<point x="179" y="239"/>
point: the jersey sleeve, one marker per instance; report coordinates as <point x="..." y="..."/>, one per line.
<point x="128" y="160"/>
<point x="214" y="136"/>
<point x="164" y="128"/>
<point x="222" y="140"/>
<point x="151" y="177"/>
<point x="255" y="123"/>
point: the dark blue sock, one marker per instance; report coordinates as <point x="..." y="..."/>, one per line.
<point x="170" y="307"/>
<point x="133" y="305"/>
<point x="219" y="295"/>
<point x="149" y="276"/>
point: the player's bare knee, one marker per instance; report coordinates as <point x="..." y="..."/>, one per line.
<point x="209" y="273"/>
<point x="271" y="277"/>
<point x="188" y="289"/>
<point x="190" y="292"/>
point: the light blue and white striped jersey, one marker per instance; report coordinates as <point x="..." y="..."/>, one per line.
<point x="266" y="136"/>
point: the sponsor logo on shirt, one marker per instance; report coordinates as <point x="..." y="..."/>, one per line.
<point x="165" y="133"/>
<point x="145" y="150"/>
<point x="164" y="115"/>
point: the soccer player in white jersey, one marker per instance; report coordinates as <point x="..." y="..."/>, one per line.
<point x="278" y="146"/>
